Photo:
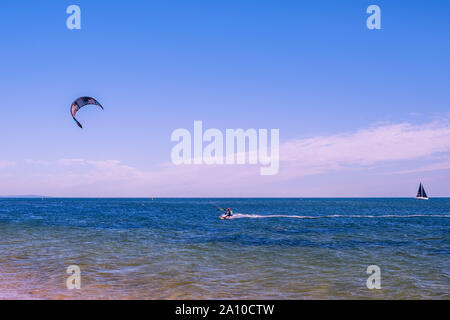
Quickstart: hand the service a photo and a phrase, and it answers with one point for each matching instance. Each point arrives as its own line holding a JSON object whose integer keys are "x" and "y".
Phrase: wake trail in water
{"x": 257, "y": 216}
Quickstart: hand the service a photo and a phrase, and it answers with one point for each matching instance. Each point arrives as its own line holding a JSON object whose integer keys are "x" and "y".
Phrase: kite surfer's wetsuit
{"x": 229, "y": 213}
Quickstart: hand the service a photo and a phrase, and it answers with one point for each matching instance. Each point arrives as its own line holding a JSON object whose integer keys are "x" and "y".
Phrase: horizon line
{"x": 199, "y": 197}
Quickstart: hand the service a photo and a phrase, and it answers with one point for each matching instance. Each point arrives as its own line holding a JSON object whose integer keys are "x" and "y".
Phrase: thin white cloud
{"x": 367, "y": 147}
{"x": 6, "y": 164}
{"x": 70, "y": 162}
{"x": 37, "y": 162}
{"x": 445, "y": 165}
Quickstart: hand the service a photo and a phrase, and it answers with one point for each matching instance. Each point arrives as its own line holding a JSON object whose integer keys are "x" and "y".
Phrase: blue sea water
{"x": 180, "y": 249}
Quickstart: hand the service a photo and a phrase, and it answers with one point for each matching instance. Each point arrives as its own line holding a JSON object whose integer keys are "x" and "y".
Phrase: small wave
{"x": 257, "y": 216}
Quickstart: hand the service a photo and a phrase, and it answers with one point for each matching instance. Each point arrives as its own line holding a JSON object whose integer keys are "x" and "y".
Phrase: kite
{"x": 80, "y": 103}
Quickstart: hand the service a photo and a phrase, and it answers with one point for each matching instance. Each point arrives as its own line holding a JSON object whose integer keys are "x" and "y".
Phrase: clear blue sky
{"x": 310, "y": 68}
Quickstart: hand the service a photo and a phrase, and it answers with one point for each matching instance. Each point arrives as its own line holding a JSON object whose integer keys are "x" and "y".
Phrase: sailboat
{"x": 421, "y": 194}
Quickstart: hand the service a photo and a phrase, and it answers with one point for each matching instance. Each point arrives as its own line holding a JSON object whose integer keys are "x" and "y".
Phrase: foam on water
{"x": 257, "y": 216}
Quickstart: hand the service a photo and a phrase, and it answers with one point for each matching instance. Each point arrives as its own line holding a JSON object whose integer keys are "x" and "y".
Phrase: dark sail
{"x": 421, "y": 192}
{"x": 424, "y": 194}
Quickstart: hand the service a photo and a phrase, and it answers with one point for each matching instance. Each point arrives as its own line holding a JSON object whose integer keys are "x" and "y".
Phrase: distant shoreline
{"x": 24, "y": 197}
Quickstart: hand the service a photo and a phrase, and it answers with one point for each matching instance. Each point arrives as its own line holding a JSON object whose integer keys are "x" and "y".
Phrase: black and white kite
{"x": 80, "y": 103}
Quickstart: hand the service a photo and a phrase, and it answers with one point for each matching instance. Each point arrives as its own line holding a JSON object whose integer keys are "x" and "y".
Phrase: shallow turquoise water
{"x": 178, "y": 248}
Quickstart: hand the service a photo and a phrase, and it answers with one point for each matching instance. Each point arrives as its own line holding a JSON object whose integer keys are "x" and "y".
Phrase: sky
{"x": 361, "y": 113}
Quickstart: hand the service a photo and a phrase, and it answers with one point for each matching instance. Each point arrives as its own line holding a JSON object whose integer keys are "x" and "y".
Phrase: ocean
{"x": 180, "y": 249}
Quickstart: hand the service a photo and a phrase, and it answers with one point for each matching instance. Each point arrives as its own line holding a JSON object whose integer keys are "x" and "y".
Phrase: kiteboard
{"x": 225, "y": 217}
